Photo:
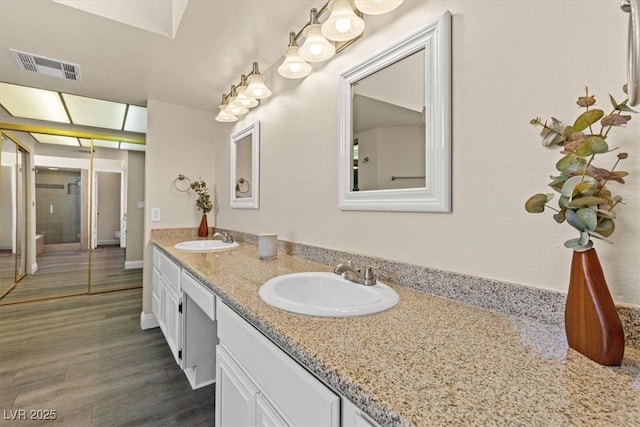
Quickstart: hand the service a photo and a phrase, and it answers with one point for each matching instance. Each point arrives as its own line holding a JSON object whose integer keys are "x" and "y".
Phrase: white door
{"x": 235, "y": 393}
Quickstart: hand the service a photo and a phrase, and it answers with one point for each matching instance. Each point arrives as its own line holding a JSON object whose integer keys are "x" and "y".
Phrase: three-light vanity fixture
{"x": 321, "y": 41}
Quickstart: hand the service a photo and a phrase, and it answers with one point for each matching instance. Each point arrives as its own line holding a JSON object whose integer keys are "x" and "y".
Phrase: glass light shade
{"x": 225, "y": 117}
{"x": 256, "y": 88}
{"x": 316, "y": 47}
{"x": 235, "y": 110}
{"x": 377, "y": 7}
{"x": 243, "y": 100}
{"x": 343, "y": 24}
{"x": 293, "y": 67}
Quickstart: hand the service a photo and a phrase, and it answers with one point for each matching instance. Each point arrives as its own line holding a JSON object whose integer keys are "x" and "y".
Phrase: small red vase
{"x": 592, "y": 323}
{"x": 203, "y": 230}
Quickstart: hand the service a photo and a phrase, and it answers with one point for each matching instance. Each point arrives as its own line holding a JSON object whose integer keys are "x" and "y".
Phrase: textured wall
{"x": 512, "y": 61}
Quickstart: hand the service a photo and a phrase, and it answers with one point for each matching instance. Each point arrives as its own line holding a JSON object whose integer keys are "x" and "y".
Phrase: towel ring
{"x": 243, "y": 186}
{"x": 632, "y": 7}
{"x": 181, "y": 188}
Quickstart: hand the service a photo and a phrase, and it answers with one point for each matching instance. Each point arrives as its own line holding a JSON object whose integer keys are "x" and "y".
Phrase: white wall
{"x": 135, "y": 215}
{"x": 180, "y": 140}
{"x": 512, "y": 61}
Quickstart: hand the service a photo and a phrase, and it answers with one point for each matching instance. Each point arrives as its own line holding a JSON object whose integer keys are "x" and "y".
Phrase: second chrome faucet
{"x": 346, "y": 270}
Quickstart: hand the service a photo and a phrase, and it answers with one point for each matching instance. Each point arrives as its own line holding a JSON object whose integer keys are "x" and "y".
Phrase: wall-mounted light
{"x": 223, "y": 116}
{"x": 293, "y": 66}
{"x": 376, "y": 7}
{"x": 316, "y": 47}
{"x": 243, "y": 96}
{"x": 343, "y": 25}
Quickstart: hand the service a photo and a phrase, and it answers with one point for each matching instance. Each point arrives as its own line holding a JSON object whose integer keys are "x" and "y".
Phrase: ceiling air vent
{"x": 46, "y": 66}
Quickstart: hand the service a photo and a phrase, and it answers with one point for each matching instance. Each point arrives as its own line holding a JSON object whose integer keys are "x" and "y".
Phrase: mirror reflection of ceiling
{"x": 39, "y": 104}
{"x": 369, "y": 113}
{"x": 401, "y": 83}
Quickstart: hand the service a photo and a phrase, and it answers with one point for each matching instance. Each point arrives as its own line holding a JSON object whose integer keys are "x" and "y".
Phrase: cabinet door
{"x": 156, "y": 305}
{"x": 235, "y": 393}
{"x": 267, "y": 415}
{"x": 171, "y": 312}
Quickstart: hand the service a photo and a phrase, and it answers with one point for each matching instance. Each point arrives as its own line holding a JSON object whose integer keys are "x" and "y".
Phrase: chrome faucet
{"x": 226, "y": 237}
{"x": 346, "y": 270}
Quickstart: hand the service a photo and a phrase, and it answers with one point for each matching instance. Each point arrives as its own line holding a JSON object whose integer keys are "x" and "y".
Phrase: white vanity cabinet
{"x": 200, "y": 335}
{"x": 260, "y": 385}
{"x": 185, "y": 311}
{"x": 167, "y": 301}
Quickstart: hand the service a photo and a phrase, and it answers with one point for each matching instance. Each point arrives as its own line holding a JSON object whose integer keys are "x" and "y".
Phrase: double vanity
{"x": 423, "y": 361}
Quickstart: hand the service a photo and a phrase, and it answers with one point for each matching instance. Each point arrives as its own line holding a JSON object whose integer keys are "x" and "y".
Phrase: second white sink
{"x": 327, "y": 295}
{"x": 205, "y": 246}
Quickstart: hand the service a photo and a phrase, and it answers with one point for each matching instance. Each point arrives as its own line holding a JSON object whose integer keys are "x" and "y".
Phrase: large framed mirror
{"x": 245, "y": 167}
{"x": 395, "y": 126}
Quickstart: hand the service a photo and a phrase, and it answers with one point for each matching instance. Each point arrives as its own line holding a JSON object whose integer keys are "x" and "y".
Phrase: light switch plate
{"x": 140, "y": 204}
{"x": 155, "y": 214}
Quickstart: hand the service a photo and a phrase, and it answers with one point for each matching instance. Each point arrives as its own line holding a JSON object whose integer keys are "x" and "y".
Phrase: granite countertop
{"x": 429, "y": 361}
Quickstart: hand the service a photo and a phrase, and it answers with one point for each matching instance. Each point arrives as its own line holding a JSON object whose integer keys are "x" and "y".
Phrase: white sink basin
{"x": 327, "y": 295}
{"x": 205, "y": 246}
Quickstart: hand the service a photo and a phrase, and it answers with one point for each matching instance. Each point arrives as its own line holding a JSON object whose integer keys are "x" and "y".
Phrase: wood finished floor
{"x": 87, "y": 358}
{"x": 66, "y": 273}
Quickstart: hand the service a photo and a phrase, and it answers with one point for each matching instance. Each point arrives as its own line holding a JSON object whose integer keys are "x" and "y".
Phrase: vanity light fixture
{"x": 316, "y": 48}
{"x": 343, "y": 26}
{"x": 293, "y": 66}
{"x": 232, "y": 107}
{"x": 256, "y": 88}
{"x": 243, "y": 100}
{"x": 223, "y": 116}
{"x": 377, "y": 7}
{"x": 243, "y": 96}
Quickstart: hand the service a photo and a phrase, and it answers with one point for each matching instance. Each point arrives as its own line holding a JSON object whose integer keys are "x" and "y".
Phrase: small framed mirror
{"x": 395, "y": 126}
{"x": 245, "y": 167}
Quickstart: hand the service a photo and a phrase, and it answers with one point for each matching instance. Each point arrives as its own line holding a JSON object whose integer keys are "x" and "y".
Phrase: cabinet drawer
{"x": 297, "y": 394}
{"x": 171, "y": 271}
{"x": 199, "y": 294}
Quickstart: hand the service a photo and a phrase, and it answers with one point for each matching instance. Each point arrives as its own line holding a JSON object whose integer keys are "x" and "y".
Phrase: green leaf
{"x": 614, "y": 103}
{"x": 588, "y": 218}
{"x": 606, "y": 214}
{"x": 586, "y": 119}
{"x": 570, "y": 164}
{"x": 564, "y": 202}
{"x": 570, "y": 214}
{"x": 570, "y": 185}
{"x": 559, "y": 217}
{"x": 586, "y": 188}
{"x": 592, "y": 145}
{"x": 557, "y": 182}
{"x": 587, "y": 201}
{"x": 584, "y": 238}
{"x": 576, "y": 246}
{"x": 606, "y": 227}
{"x": 536, "y": 203}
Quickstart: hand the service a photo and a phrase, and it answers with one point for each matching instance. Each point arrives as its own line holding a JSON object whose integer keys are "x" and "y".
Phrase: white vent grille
{"x": 46, "y": 66}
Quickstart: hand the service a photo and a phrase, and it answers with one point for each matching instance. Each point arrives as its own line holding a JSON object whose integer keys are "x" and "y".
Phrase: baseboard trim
{"x": 148, "y": 321}
{"x": 133, "y": 264}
